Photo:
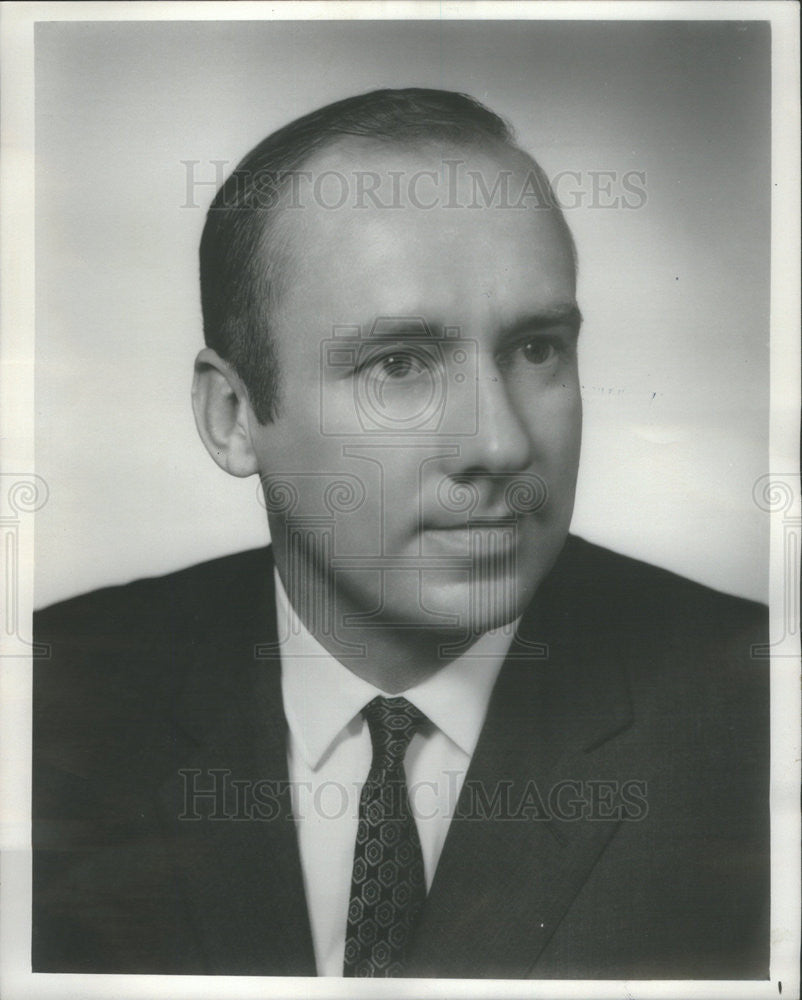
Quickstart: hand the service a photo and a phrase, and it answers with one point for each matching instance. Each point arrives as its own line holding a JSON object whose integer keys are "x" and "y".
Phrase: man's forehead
{"x": 379, "y": 228}
{"x": 365, "y": 189}
{"x": 354, "y": 163}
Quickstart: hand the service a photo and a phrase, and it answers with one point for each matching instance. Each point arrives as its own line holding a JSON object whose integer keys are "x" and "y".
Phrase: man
{"x": 427, "y": 733}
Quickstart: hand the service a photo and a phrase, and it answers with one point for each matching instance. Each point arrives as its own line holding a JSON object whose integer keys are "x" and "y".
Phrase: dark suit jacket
{"x": 616, "y": 823}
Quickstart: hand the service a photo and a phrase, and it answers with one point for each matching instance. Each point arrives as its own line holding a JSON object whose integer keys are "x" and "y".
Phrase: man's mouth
{"x": 485, "y": 537}
{"x": 500, "y": 518}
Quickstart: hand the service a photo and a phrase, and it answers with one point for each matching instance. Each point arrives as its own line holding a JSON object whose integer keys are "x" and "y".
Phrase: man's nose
{"x": 502, "y": 442}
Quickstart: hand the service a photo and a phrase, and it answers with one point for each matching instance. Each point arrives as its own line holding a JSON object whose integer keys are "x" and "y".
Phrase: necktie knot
{"x": 392, "y": 723}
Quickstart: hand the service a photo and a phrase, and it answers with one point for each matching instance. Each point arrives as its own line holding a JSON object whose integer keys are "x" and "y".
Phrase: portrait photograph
{"x": 401, "y": 505}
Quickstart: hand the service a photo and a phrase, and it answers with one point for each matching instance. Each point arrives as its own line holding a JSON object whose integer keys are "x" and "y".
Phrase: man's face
{"x": 421, "y": 471}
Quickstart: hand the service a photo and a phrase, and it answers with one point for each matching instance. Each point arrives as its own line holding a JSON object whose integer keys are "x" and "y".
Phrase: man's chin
{"x": 478, "y": 605}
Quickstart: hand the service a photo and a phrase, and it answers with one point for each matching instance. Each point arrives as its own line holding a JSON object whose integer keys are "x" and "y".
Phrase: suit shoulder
{"x": 183, "y": 599}
{"x": 116, "y": 659}
{"x": 691, "y": 651}
{"x": 656, "y": 609}
{"x": 623, "y": 581}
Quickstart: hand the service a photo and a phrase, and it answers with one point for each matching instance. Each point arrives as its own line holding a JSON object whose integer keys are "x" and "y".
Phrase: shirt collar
{"x": 323, "y": 699}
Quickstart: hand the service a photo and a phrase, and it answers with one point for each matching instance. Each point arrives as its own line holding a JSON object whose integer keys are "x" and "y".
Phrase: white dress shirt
{"x": 329, "y": 754}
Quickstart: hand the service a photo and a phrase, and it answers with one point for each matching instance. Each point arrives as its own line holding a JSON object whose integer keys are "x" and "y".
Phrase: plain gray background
{"x": 674, "y": 351}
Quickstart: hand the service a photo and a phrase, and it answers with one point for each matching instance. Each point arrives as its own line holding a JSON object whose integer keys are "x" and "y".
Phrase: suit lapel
{"x": 238, "y": 867}
{"x": 510, "y": 869}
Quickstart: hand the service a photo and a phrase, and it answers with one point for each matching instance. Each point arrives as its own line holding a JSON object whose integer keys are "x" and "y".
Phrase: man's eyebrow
{"x": 563, "y": 315}
{"x": 402, "y": 327}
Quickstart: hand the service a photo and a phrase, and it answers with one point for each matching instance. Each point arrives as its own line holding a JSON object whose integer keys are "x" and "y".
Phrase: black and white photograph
{"x": 401, "y": 507}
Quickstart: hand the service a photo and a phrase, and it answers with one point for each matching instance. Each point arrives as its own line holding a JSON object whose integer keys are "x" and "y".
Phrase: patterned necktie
{"x": 387, "y": 886}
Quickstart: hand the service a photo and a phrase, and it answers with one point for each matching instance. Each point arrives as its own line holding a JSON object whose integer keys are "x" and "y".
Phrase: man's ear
{"x": 220, "y": 404}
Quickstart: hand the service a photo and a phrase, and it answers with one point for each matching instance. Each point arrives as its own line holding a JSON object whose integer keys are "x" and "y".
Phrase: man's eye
{"x": 398, "y": 365}
{"x": 538, "y": 351}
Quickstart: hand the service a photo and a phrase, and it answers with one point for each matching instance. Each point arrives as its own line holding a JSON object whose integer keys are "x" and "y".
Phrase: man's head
{"x": 389, "y": 304}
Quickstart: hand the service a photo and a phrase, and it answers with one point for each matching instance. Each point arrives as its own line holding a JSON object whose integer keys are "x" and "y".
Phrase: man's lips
{"x": 494, "y": 536}
{"x": 494, "y": 519}
{"x": 476, "y": 522}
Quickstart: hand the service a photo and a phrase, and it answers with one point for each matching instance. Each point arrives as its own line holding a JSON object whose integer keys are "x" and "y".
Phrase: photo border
{"x": 781, "y": 495}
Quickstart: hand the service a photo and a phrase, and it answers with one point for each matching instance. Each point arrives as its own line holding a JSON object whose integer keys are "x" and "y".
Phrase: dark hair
{"x": 240, "y": 267}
